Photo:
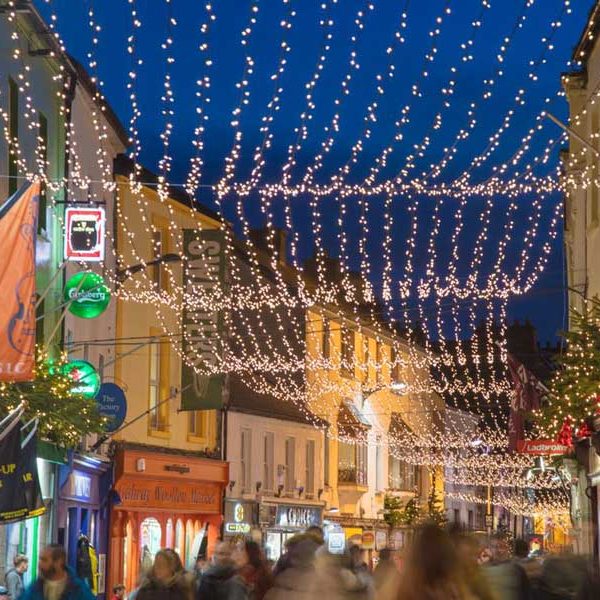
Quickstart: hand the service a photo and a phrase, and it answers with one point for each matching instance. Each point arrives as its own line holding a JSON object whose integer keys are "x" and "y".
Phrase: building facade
{"x": 169, "y": 476}
{"x": 362, "y": 394}
{"x": 582, "y": 246}
{"x": 276, "y": 469}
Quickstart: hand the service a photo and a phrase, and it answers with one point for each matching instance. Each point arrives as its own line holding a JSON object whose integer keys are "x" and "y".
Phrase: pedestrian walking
{"x": 57, "y": 581}
{"x": 505, "y": 575}
{"x": 296, "y": 580}
{"x": 118, "y": 592}
{"x": 165, "y": 580}
{"x": 14, "y": 577}
{"x": 432, "y": 570}
{"x": 386, "y": 572}
{"x": 221, "y": 580}
{"x": 255, "y": 572}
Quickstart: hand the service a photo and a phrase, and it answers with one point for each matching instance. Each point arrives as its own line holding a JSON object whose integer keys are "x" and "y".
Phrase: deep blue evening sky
{"x": 545, "y": 304}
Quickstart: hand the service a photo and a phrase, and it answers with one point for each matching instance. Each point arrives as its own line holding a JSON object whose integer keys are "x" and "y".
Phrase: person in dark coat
{"x": 221, "y": 580}
{"x": 255, "y": 572}
{"x": 14, "y": 577}
{"x": 165, "y": 580}
{"x": 57, "y": 581}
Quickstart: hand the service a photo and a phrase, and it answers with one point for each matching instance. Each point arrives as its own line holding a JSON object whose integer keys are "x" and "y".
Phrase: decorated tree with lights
{"x": 575, "y": 387}
{"x": 436, "y": 512}
{"x": 399, "y": 514}
{"x": 64, "y": 417}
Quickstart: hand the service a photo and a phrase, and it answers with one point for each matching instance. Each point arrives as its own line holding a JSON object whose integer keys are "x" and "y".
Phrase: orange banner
{"x": 18, "y": 218}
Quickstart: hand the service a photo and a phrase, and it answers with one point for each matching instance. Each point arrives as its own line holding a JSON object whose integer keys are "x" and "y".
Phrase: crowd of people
{"x": 438, "y": 565}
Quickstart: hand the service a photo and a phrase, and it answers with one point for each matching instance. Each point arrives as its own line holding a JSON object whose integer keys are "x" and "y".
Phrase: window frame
{"x": 246, "y": 460}
{"x": 290, "y": 465}
{"x": 310, "y": 464}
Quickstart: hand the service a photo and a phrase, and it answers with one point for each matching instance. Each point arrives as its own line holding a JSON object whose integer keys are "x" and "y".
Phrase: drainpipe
{"x": 69, "y": 96}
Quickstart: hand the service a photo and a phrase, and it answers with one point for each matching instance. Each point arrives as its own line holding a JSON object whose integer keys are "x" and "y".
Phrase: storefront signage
{"x": 204, "y": 272}
{"x": 298, "y": 516}
{"x": 161, "y": 494}
{"x": 542, "y": 447}
{"x": 368, "y": 540}
{"x": 86, "y": 380}
{"x": 336, "y": 542}
{"x": 84, "y": 233}
{"x": 237, "y": 528}
{"x": 239, "y": 517}
{"x": 87, "y": 294}
{"x": 112, "y": 404}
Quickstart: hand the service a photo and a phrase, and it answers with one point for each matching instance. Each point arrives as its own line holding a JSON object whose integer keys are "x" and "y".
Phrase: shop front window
{"x": 169, "y": 534}
{"x": 352, "y": 463}
{"x": 402, "y": 475}
{"x": 150, "y": 542}
{"x": 179, "y": 537}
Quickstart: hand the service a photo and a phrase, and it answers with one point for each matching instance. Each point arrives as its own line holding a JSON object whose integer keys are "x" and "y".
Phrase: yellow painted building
{"x": 168, "y": 473}
{"x": 151, "y": 372}
{"x": 357, "y": 385}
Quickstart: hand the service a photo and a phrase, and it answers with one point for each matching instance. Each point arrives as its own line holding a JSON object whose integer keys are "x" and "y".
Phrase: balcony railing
{"x": 352, "y": 475}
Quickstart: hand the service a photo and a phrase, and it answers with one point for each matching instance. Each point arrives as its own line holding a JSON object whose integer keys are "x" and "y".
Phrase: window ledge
{"x": 194, "y": 439}
{"x": 165, "y": 435}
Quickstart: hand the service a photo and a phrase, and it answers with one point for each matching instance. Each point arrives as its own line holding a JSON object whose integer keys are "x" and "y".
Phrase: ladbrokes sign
{"x": 542, "y": 447}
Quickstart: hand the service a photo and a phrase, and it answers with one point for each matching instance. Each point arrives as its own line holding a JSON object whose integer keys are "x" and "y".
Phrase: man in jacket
{"x": 14, "y": 577}
{"x": 57, "y": 581}
{"x": 221, "y": 581}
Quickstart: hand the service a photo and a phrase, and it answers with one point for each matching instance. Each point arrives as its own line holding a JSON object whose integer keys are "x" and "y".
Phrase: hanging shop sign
{"x": 87, "y": 294}
{"x": 298, "y": 516}
{"x": 112, "y": 404}
{"x": 84, "y": 233}
{"x": 17, "y": 281}
{"x": 86, "y": 380}
{"x": 204, "y": 272}
{"x": 542, "y": 447}
{"x": 239, "y": 517}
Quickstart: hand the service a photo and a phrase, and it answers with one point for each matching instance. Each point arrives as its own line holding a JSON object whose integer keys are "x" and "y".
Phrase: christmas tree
{"x": 575, "y": 387}
{"x": 436, "y": 512}
{"x": 399, "y": 514}
{"x": 64, "y": 417}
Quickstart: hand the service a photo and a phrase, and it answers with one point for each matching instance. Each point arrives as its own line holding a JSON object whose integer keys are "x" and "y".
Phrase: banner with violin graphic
{"x": 18, "y": 219}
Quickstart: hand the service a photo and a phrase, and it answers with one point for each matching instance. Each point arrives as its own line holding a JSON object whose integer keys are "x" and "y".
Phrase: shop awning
{"x": 399, "y": 429}
{"x": 51, "y": 453}
{"x": 351, "y": 421}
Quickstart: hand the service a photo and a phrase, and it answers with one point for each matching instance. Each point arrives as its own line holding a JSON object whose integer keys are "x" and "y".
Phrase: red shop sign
{"x": 542, "y": 447}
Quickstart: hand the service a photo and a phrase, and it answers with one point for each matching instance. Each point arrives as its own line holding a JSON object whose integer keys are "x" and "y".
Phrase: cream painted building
{"x": 363, "y": 397}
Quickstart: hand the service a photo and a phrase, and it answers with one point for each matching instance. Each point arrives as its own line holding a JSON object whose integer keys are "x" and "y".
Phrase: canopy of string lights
{"x": 415, "y": 185}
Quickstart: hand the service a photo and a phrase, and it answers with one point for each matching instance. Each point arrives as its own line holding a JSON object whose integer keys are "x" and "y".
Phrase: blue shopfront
{"x": 82, "y": 519}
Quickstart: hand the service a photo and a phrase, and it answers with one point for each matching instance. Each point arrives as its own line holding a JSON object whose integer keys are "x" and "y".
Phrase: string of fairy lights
{"x": 277, "y": 317}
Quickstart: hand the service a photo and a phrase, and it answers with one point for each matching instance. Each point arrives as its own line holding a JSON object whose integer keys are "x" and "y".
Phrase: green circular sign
{"x": 86, "y": 380}
{"x": 88, "y": 294}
